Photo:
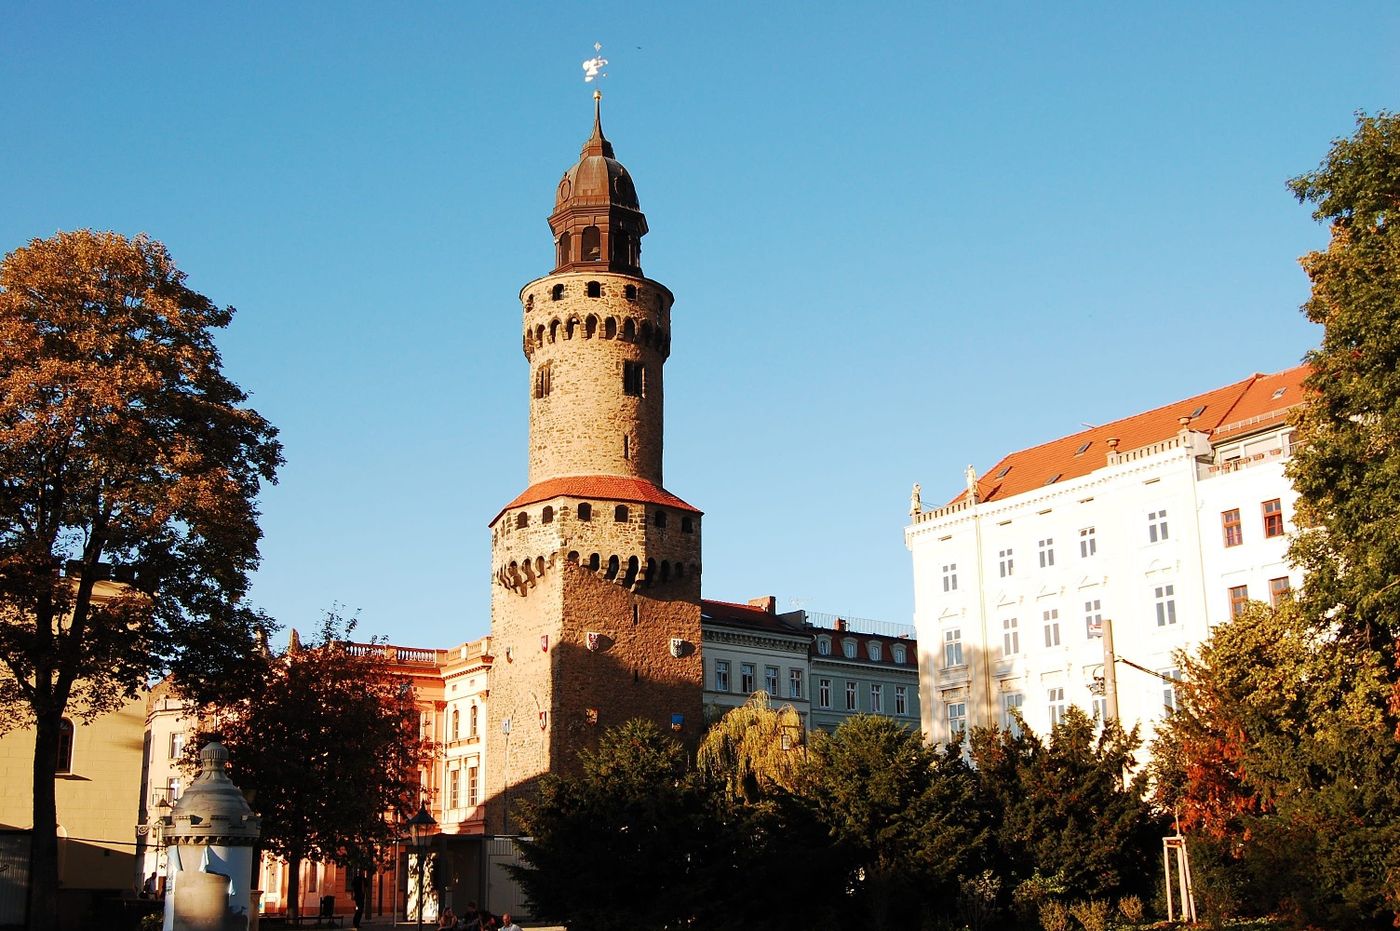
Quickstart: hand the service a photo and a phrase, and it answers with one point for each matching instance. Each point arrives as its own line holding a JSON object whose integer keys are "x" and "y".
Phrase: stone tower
{"x": 595, "y": 607}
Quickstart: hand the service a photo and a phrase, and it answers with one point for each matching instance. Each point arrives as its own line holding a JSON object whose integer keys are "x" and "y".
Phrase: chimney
{"x": 769, "y": 604}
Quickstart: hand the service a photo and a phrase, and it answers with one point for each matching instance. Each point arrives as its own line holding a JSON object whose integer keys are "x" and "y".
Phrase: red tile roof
{"x": 1234, "y": 410}
{"x": 729, "y": 612}
{"x": 606, "y": 487}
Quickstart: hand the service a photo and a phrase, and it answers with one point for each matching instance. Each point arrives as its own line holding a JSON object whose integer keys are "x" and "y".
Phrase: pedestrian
{"x": 357, "y": 893}
{"x": 447, "y": 921}
{"x": 149, "y": 890}
{"x": 508, "y": 924}
{"x": 471, "y": 918}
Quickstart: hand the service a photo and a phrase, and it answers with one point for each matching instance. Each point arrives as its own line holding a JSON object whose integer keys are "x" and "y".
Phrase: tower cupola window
{"x": 563, "y": 248}
{"x": 592, "y": 244}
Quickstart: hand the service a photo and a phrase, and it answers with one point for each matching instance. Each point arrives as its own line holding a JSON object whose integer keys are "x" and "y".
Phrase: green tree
{"x": 755, "y": 749}
{"x": 328, "y": 749}
{"x": 1282, "y": 742}
{"x": 121, "y": 442}
{"x": 1347, "y": 465}
{"x": 1067, "y": 823}
{"x": 634, "y": 841}
{"x": 902, "y": 816}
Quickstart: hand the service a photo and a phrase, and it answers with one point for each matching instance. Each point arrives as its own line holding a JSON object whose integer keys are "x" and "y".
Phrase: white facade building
{"x": 1164, "y": 522}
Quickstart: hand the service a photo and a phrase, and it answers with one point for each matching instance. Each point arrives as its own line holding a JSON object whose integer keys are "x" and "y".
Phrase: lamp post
{"x": 420, "y": 826}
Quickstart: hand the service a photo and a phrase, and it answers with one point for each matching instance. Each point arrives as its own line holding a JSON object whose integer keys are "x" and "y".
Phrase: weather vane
{"x": 593, "y": 67}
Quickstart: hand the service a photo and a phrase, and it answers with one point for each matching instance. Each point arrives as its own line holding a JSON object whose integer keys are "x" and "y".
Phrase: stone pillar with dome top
{"x": 211, "y": 834}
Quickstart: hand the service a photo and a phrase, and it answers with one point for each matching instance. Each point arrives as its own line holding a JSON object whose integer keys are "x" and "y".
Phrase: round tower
{"x": 595, "y": 610}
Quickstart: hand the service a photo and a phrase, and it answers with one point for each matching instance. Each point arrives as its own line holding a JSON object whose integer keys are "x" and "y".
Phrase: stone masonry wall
{"x": 578, "y": 427}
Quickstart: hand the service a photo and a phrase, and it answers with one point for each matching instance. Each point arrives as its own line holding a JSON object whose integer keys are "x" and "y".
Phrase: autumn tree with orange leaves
{"x": 129, "y": 471}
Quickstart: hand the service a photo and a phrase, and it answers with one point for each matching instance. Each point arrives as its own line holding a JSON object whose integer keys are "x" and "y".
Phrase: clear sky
{"x": 902, "y": 237}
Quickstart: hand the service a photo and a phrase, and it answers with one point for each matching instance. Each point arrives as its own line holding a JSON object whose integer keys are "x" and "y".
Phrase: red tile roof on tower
{"x": 1247, "y": 406}
{"x": 595, "y": 487}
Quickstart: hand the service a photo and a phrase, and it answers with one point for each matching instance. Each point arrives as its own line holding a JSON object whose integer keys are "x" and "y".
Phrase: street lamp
{"x": 420, "y": 827}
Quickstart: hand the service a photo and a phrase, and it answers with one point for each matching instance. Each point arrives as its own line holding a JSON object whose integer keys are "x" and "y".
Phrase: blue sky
{"x": 902, "y": 238}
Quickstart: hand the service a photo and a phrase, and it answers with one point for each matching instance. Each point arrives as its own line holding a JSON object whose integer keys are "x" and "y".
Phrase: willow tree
{"x": 755, "y": 748}
{"x": 125, "y": 454}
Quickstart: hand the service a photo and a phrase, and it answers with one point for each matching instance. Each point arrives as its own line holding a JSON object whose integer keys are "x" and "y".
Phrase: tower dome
{"x": 597, "y": 222}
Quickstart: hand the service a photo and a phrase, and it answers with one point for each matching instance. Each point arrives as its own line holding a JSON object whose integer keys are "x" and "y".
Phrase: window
{"x": 474, "y": 718}
{"x": 1011, "y": 702}
{"x": 1169, "y": 690}
{"x": 770, "y": 680}
{"x": 824, "y": 693}
{"x": 173, "y": 785}
{"x": 1165, "y": 597}
{"x": 898, "y": 653}
{"x": 547, "y": 515}
{"x": 595, "y": 289}
{"x": 1239, "y": 599}
{"x": 522, "y": 520}
{"x": 876, "y": 652}
{"x": 630, "y": 292}
{"x": 177, "y": 744}
{"x": 721, "y": 675}
{"x": 1006, "y": 562}
{"x": 901, "y": 699}
{"x": 1047, "y": 553}
{"x": 952, "y": 648}
{"x": 620, "y": 514}
{"x": 794, "y": 683}
{"x": 1010, "y": 637}
{"x": 1099, "y": 707}
{"x": 1230, "y": 527}
{"x": 1279, "y": 589}
{"x": 1273, "y": 518}
{"x": 1088, "y": 542}
{"x": 592, "y": 244}
{"x": 957, "y": 718}
{"x": 950, "y": 577}
{"x": 1157, "y": 526}
{"x": 585, "y": 511}
{"x": 877, "y": 698}
{"x": 453, "y": 786}
{"x": 687, "y": 525}
{"x": 850, "y": 696}
{"x": 824, "y": 646}
{"x": 1093, "y": 619}
{"x": 1052, "y": 626}
{"x": 659, "y": 518}
{"x": 556, "y": 293}
{"x": 456, "y": 730}
{"x": 473, "y": 786}
{"x": 65, "y": 748}
{"x": 542, "y": 381}
{"x": 634, "y": 379}
{"x": 848, "y": 649}
{"x": 746, "y": 678}
{"x": 1056, "y": 697}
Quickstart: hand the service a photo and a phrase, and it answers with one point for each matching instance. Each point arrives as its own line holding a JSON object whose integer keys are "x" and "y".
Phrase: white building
{"x": 1164, "y": 522}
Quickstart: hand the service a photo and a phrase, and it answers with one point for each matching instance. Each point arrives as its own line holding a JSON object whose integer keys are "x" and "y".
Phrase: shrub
{"x": 1092, "y": 915}
{"x": 1131, "y": 909}
{"x": 1054, "y": 916}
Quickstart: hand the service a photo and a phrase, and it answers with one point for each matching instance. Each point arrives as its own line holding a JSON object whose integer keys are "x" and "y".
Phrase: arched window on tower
{"x": 590, "y": 327}
{"x": 591, "y": 244}
{"x": 595, "y": 289}
{"x": 630, "y": 292}
{"x": 547, "y": 515}
{"x": 65, "y": 746}
{"x": 620, "y": 514}
{"x": 556, "y": 293}
{"x": 542, "y": 380}
{"x": 563, "y": 249}
{"x": 585, "y": 512}
{"x": 629, "y": 330}
{"x": 659, "y": 518}
{"x": 522, "y": 520}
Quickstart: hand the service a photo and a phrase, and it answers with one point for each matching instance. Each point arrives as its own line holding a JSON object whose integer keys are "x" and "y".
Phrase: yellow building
{"x": 98, "y": 784}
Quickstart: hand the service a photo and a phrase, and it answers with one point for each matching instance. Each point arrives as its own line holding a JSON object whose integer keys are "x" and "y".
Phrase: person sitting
{"x": 447, "y": 921}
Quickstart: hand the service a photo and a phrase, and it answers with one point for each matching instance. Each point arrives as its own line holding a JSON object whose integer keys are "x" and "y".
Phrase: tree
{"x": 1347, "y": 465}
{"x": 1282, "y": 742}
{"x": 328, "y": 749}
{"x": 902, "y": 815}
{"x": 1067, "y": 823}
{"x": 634, "y": 841}
{"x": 755, "y": 749}
{"x": 121, "y": 443}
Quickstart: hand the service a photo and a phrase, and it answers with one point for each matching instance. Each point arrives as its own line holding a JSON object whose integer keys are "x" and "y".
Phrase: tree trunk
{"x": 43, "y": 864}
{"x": 294, "y": 886}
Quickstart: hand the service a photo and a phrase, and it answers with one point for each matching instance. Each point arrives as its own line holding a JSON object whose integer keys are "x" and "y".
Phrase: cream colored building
{"x": 1163, "y": 522}
{"x": 98, "y": 783}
